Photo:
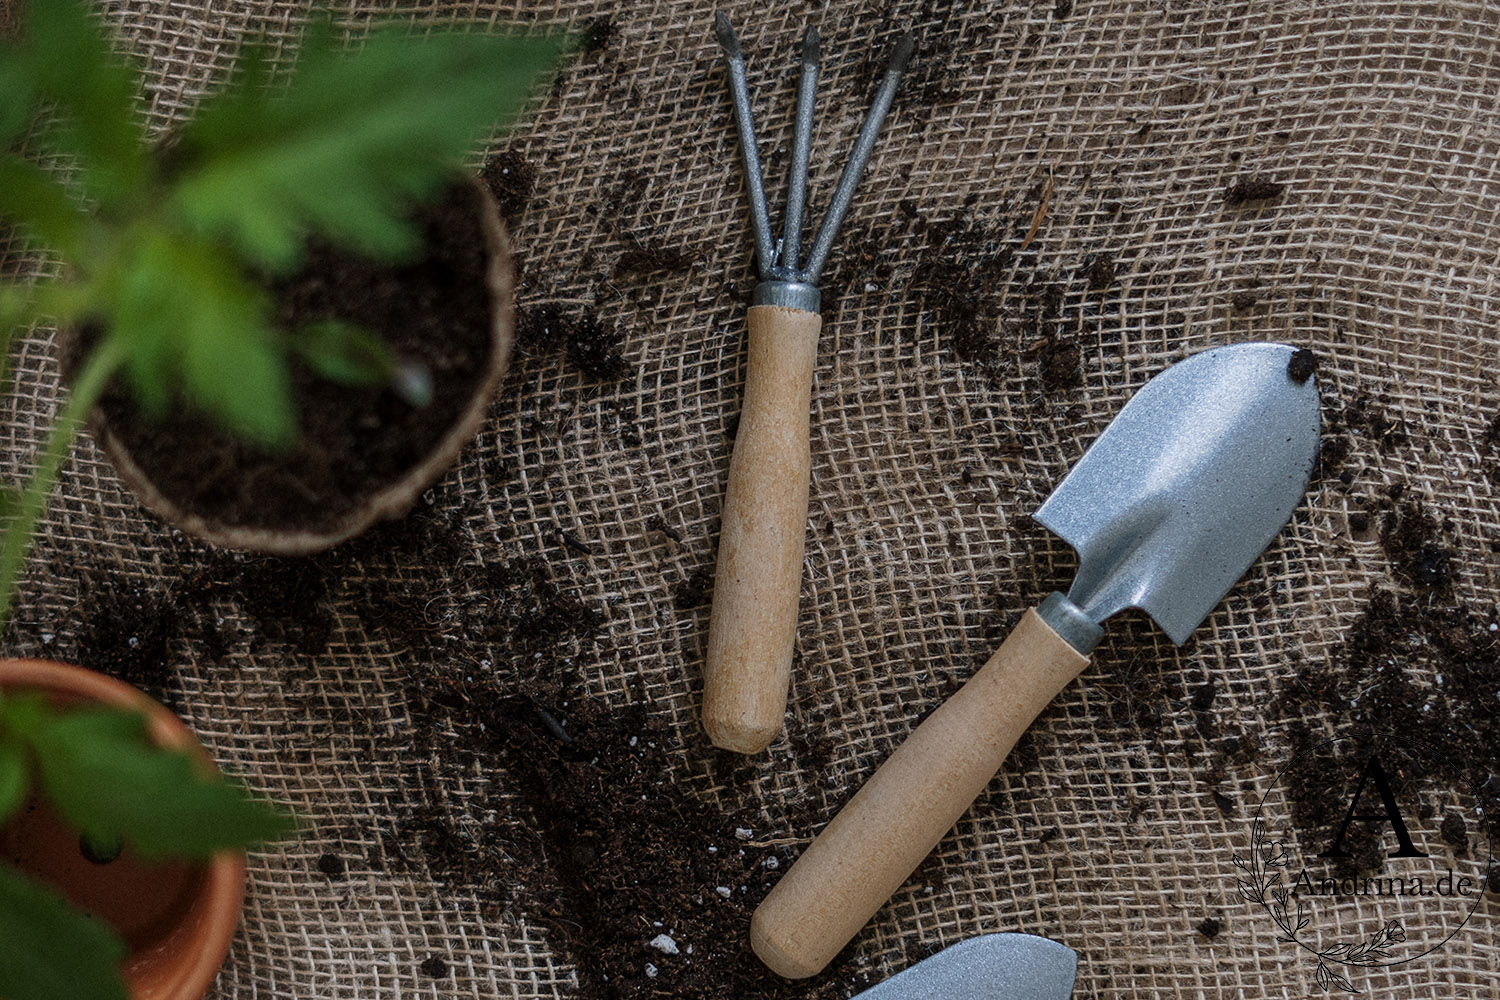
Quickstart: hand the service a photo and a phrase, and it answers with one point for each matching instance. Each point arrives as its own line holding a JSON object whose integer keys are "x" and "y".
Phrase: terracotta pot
{"x": 177, "y": 919}
{"x": 397, "y": 496}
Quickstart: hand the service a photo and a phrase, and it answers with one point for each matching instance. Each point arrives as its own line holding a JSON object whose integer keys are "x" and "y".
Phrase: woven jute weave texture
{"x": 959, "y": 375}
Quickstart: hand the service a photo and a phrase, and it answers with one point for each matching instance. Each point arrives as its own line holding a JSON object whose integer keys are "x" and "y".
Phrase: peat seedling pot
{"x": 177, "y": 919}
{"x": 365, "y": 454}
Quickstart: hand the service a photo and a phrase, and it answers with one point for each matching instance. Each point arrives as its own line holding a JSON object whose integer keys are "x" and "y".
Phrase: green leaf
{"x": 13, "y": 781}
{"x": 93, "y": 88}
{"x": 193, "y": 324}
{"x": 345, "y": 353}
{"x": 351, "y": 139}
{"x": 19, "y": 106}
{"x": 97, "y": 767}
{"x": 49, "y": 950}
{"x": 36, "y": 200}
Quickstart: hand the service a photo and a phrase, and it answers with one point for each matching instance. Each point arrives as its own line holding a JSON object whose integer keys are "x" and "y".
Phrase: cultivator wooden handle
{"x": 754, "y": 622}
{"x": 877, "y": 840}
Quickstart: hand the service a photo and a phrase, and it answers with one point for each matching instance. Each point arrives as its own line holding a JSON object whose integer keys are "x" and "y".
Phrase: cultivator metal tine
{"x": 739, "y": 92}
{"x": 796, "y": 199}
{"x": 785, "y": 280}
{"x": 843, "y": 195}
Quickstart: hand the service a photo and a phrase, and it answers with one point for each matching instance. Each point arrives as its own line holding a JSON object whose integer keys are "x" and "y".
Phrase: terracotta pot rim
{"x": 224, "y": 874}
{"x": 392, "y": 500}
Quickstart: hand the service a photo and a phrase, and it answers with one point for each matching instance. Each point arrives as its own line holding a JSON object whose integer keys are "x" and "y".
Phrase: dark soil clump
{"x": 1210, "y": 928}
{"x": 512, "y": 182}
{"x": 1252, "y": 189}
{"x": 433, "y": 313}
{"x": 1301, "y": 366}
{"x": 597, "y": 35}
{"x": 1061, "y": 364}
{"x": 332, "y": 866}
{"x": 1099, "y": 271}
{"x": 695, "y": 590}
{"x": 1413, "y": 542}
{"x": 1370, "y": 416}
{"x": 1454, "y": 831}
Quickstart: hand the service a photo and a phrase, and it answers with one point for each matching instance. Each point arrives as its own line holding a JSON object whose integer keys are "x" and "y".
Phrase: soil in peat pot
{"x": 434, "y": 312}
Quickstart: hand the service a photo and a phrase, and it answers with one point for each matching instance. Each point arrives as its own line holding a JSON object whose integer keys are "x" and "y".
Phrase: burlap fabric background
{"x": 958, "y": 378}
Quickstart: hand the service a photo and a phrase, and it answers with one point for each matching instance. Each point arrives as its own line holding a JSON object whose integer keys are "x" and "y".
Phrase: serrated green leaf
{"x": 344, "y": 353}
{"x": 239, "y": 377}
{"x": 93, "y": 90}
{"x": 194, "y": 326}
{"x": 97, "y": 767}
{"x": 351, "y": 139}
{"x": 35, "y": 199}
{"x": 13, "y": 779}
{"x": 49, "y": 950}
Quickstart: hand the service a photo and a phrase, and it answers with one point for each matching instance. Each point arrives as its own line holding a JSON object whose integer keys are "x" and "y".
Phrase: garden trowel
{"x": 1166, "y": 510}
{"x": 989, "y": 967}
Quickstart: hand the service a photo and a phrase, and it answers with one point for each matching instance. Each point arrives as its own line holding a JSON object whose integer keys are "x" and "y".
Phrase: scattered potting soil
{"x": 646, "y": 889}
{"x": 1370, "y": 684}
{"x": 642, "y": 257}
{"x": 596, "y": 348}
{"x": 1252, "y": 189}
{"x": 990, "y": 309}
{"x": 126, "y": 633}
{"x": 433, "y": 312}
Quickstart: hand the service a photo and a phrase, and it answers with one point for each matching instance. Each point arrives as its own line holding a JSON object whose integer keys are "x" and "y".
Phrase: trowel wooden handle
{"x": 759, "y": 575}
{"x": 896, "y": 819}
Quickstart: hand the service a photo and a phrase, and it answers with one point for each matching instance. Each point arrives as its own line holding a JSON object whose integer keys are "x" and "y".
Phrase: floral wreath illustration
{"x": 1263, "y": 886}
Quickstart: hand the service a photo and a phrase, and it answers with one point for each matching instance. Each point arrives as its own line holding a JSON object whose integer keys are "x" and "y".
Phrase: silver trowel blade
{"x": 1188, "y": 485}
{"x": 990, "y": 967}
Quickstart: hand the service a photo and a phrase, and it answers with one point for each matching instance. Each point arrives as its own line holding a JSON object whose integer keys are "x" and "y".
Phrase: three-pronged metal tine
{"x": 796, "y": 199}
{"x": 843, "y": 195}
{"x": 739, "y": 93}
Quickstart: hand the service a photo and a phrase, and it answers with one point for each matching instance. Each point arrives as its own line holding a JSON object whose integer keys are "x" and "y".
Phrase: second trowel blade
{"x": 989, "y": 967}
{"x": 1188, "y": 485}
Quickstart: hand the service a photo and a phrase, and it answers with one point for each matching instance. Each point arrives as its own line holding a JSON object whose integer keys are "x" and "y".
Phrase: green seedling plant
{"x": 157, "y": 255}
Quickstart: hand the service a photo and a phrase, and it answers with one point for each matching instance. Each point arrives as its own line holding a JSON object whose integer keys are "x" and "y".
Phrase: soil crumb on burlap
{"x": 433, "y": 312}
{"x": 512, "y": 182}
{"x": 1252, "y": 189}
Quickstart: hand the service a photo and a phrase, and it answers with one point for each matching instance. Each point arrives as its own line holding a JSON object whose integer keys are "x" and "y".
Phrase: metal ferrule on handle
{"x": 789, "y": 295}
